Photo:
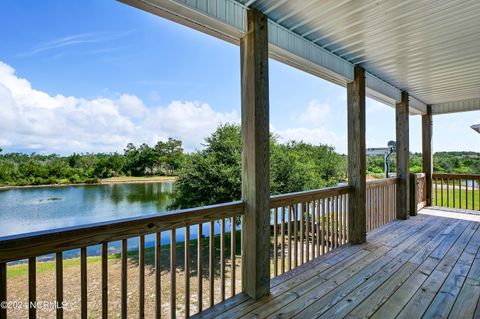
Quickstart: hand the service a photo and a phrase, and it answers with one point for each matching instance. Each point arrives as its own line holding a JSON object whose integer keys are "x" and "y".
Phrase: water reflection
{"x": 33, "y": 209}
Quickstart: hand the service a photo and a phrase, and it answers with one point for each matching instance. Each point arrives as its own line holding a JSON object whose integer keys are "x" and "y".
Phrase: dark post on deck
{"x": 427, "y": 153}
{"x": 357, "y": 231}
{"x": 255, "y": 173}
{"x": 403, "y": 157}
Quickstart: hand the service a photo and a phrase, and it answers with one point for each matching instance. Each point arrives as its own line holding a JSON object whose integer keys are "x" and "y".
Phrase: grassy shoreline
{"x": 106, "y": 181}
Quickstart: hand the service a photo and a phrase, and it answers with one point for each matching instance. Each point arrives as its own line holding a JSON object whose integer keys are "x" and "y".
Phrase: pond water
{"x": 25, "y": 210}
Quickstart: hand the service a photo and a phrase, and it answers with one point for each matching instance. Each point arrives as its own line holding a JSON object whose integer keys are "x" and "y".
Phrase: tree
{"x": 213, "y": 175}
{"x": 170, "y": 154}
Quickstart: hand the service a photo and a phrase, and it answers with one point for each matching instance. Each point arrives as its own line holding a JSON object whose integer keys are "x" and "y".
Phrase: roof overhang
{"x": 226, "y": 19}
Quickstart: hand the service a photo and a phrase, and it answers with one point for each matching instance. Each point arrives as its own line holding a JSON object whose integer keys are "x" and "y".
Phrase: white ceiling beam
{"x": 226, "y": 19}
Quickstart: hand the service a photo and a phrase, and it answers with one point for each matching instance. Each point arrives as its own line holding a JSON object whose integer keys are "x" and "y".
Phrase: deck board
{"x": 426, "y": 266}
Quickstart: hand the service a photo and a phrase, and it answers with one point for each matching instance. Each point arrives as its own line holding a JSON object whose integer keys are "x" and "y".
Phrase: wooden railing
{"x": 381, "y": 207}
{"x": 183, "y": 261}
{"x": 456, "y": 191}
{"x": 205, "y": 238}
{"x": 306, "y": 225}
{"x": 421, "y": 190}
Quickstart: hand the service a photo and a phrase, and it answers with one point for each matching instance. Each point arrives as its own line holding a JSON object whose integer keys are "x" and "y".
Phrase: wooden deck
{"x": 426, "y": 266}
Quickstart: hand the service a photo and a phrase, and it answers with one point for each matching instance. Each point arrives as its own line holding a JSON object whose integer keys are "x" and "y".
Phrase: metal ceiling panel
{"x": 429, "y": 48}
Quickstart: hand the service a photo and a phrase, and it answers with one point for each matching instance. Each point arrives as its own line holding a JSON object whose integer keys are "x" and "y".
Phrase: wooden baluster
{"x": 211, "y": 264}
{"x": 473, "y": 194}
{"x": 377, "y": 201}
{"x": 460, "y": 193}
{"x": 313, "y": 228}
{"x": 200, "y": 267}
{"x": 466, "y": 193}
{"x": 158, "y": 275}
{"x": 222, "y": 259}
{"x": 367, "y": 208}
{"x": 340, "y": 218}
{"x": 104, "y": 280}
{"x": 327, "y": 224}
{"x": 59, "y": 284}
{"x": 335, "y": 221}
{"x": 186, "y": 259}
{"x": 372, "y": 202}
{"x": 232, "y": 254}
{"x": 289, "y": 235}
{"x": 32, "y": 287}
{"x": 345, "y": 212}
{"x": 307, "y": 231}
{"x": 383, "y": 196}
{"x": 454, "y": 193}
{"x": 371, "y": 209}
{"x": 322, "y": 224}
{"x": 302, "y": 232}
{"x": 318, "y": 227}
{"x": 282, "y": 229}
{"x": 83, "y": 283}
{"x": 141, "y": 276}
{"x": 342, "y": 223}
{"x": 3, "y": 289}
{"x": 173, "y": 273}
{"x": 331, "y": 220}
{"x": 124, "y": 279}
{"x": 295, "y": 236}
{"x": 275, "y": 242}
{"x": 441, "y": 191}
{"x": 379, "y": 206}
{"x": 448, "y": 192}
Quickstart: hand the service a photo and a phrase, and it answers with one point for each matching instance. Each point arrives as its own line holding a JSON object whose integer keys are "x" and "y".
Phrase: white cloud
{"x": 313, "y": 127}
{"x": 316, "y": 114}
{"x": 33, "y": 120}
{"x": 314, "y": 136}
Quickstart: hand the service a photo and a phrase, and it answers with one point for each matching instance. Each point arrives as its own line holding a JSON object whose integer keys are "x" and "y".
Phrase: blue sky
{"x": 93, "y": 75}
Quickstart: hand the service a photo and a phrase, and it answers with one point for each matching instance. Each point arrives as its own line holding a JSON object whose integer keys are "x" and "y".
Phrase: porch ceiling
{"x": 431, "y": 49}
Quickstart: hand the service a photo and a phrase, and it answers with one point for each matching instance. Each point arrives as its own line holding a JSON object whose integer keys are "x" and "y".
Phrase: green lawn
{"x": 448, "y": 197}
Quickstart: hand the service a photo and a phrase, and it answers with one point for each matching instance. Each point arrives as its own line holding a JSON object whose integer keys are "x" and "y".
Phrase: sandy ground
{"x": 18, "y": 290}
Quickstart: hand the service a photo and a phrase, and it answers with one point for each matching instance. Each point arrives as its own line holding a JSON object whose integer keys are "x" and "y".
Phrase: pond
{"x": 24, "y": 210}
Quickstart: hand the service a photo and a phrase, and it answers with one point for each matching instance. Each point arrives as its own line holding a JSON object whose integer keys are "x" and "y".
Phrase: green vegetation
{"x": 22, "y": 269}
{"x": 447, "y": 200}
{"x": 213, "y": 175}
{"x": 17, "y": 169}
{"x": 443, "y": 162}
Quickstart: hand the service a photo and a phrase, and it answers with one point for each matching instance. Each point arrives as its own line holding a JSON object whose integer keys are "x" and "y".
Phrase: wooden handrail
{"x": 300, "y": 197}
{"x": 381, "y": 182}
{"x": 34, "y": 244}
{"x": 456, "y": 176}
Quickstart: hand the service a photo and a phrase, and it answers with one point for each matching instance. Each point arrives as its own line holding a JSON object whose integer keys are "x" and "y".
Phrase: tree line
{"x": 19, "y": 169}
{"x": 443, "y": 162}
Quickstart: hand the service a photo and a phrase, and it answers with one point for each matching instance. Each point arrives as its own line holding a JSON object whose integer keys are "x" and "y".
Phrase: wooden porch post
{"x": 255, "y": 172}
{"x": 357, "y": 232}
{"x": 403, "y": 157}
{"x": 427, "y": 160}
